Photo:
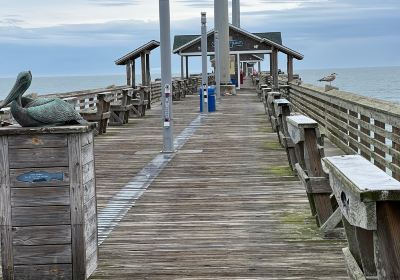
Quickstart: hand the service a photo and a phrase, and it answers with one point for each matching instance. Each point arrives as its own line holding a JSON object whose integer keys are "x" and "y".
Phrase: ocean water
{"x": 379, "y": 82}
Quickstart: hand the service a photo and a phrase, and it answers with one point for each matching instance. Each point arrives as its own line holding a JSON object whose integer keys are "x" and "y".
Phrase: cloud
{"x": 330, "y": 33}
{"x": 115, "y": 3}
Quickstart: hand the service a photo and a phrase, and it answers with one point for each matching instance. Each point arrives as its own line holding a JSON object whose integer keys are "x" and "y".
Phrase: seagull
{"x": 330, "y": 78}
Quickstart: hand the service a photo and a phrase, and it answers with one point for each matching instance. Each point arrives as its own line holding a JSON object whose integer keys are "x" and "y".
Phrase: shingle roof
{"x": 273, "y": 36}
{"x": 180, "y": 40}
{"x": 273, "y": 39}
{"x": 153, "y": 44}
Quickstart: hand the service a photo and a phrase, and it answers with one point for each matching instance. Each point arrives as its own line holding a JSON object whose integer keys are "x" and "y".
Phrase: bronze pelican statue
{"x": 30, "y": 112}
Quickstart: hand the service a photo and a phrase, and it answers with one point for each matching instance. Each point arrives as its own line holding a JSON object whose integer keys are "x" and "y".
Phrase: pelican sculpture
{"x": 30, "y": 112}
{"x": 330, "y": 78}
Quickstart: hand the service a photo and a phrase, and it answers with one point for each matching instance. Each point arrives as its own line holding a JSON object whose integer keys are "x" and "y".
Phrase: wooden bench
{"x": 177, "y": 94}
{"x": 93, "y": 108}
{"x": 139, "y": 101}
{"x": 308, "y": 143}
{"x": 369, "y": 200}
{"x": 120, "y": 106}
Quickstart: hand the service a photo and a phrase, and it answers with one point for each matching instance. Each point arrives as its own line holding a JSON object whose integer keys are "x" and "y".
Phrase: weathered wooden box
{"x": 48, "y": 203}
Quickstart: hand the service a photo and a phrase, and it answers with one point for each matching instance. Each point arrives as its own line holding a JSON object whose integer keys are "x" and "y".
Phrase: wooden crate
{"x": 48, "y": 214}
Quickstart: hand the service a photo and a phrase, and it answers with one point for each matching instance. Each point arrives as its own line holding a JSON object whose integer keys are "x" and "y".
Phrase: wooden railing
{"x": 356, "y": 124}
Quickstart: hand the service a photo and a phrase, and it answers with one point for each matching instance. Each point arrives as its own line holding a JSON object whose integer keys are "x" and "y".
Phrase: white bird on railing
{"x": 330, "y": 78}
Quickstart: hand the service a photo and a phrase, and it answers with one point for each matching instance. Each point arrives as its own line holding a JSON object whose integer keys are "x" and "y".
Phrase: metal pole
{"x": 217, "y": 65}
{"x": 204, "y": 61}
{"x": 166, "y": 77}
{"x": 236, "y": 13}
{"x": 221, "y": 17}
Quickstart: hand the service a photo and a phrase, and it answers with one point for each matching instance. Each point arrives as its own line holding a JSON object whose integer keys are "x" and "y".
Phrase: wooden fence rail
{"x": 356, "y": 124}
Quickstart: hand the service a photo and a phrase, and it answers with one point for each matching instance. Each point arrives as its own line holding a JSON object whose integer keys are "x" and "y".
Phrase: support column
{"x": 259, "y": 67}
{"x": 133, "y": 71}
{"x": 148, "y": 73}
{"x": 271, "y": 66}
{"x": 222, "y": 26}
{"x": 290, "y": 68}
{"x": 182, "y": 70}
{"x": 166, "y": 77}
{"x": 187, "y": 67}
{"x": 204, "y": 61}
{"x": 275, "y": 69}
{"x": 129, "y": 73}
{"x": 143, "y": 64}
{"x": 238, "y": 72}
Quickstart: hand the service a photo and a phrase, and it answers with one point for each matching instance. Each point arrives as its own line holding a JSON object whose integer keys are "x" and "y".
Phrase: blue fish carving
{"x": 40, "y": 176}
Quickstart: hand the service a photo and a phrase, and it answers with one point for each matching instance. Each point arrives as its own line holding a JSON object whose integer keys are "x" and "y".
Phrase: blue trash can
{"x": 234, "y": 82}
{"x": 211, "y": 99}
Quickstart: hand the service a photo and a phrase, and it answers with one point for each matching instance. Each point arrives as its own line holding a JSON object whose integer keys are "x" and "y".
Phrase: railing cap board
{"x": 301, "y": 121}
{"x": 296, "y": 126}
{"x": 363, "y": 178}
{"x": 358, "y": 185}
{"x": 281, "y": 102}
{"x": 18, "y": 130}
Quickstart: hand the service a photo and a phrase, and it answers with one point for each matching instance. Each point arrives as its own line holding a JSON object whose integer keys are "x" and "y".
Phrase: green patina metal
{"x": 29, "y": 112}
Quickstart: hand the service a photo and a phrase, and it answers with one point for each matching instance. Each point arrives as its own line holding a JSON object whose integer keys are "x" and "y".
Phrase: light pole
{"x": 204, "y": 61}
{"x": 166, "y": 78}
{"x": 217, "y": 65}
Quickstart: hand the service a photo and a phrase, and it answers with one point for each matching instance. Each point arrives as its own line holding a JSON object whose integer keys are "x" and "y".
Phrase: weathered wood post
{"x": 264, "y": 96}
{"x": 305, "y": 135}
{"x": 48, "y": 203}
{"x": 271, "y": 96}
{"x": 290, "y": 68}
{"x": 282, "y": 110}
{"x": 369, "y": 201}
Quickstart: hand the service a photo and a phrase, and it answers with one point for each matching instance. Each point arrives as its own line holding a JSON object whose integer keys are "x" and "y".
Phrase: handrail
{"x": 356, "y": 124}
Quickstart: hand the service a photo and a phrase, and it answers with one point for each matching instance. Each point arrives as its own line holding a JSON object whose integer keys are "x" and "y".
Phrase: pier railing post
{"x": 166, "y": 77}
{"x": 305, "y": 135}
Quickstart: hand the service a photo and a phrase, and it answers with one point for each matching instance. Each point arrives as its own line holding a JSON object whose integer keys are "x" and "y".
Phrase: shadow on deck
{"x": 226, "y": 206}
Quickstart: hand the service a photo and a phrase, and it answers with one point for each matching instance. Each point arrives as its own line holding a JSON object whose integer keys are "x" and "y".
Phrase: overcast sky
{"x": 57, "y": 37}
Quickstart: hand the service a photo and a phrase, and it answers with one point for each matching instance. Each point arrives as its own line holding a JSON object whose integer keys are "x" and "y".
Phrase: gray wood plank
{"x": 38, "y": 216}
{"x": 43, "y": 272}
{"x": 38, "y": 141}
{"x": 87, "y": 154}
{"x": 44, "y": 254}
{"x": 40, "y": 196}
{"x": 5, "y": 211}
{"x": 88, "y": 172}
{"x": 89, "y": 190}
{"x": 77, "y": 207}
{"x": 42, "y": 235}
{"x": 41, "y": 157}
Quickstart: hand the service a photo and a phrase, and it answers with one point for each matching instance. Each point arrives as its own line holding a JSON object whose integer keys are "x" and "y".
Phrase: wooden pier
{"x": 227, "y": 206}
{"x": 245, "y": 195}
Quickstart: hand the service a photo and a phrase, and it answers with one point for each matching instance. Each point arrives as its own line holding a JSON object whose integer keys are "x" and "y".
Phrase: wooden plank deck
{"x": 225, "y": 207}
